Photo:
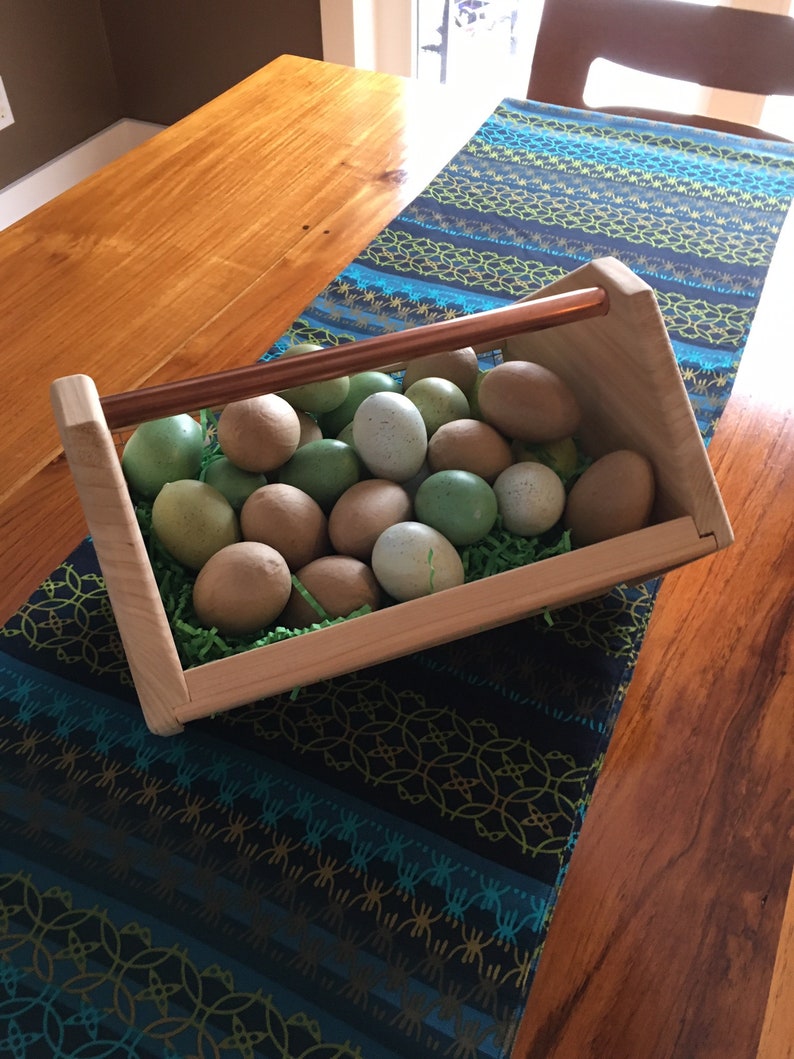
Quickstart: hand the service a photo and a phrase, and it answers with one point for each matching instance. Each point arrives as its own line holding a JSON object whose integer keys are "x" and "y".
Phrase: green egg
{"x": 235, "y": 483}
{"x": 561, "y": 455}
{"x": 315, "y": 397}
{"x": 193, "y": 521}
{"x": 160, "y": 451}
{"x": 362, "y": 385}
{"x": 323, "y": 469}
{"x": 439, "y": 401}
{"x": 459, "y": 504}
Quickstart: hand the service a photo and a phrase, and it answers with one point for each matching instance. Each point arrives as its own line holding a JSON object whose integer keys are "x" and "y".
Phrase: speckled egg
{"x": 459, "y": 504}
{"x": 160, "y": 451}
{"x": 362, "y": 385}
{"x": 192, "y": 521}
{"x": 439, "y": 401}
{"x": 390, "y": 436}
{"x": 531, "y": 498}
{"x": 411, "y": 560}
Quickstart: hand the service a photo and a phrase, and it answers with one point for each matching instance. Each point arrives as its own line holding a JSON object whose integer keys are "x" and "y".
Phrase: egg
{"x": 439, "y": 401}
{"x": 231, "y": 480}
{"x": 317, "y": 397}
{"x": 390, "y": 436}
{"x": 561, "y": 455}
{"x": 363, "y": 512}
{"x": 242, "y": 588}
{"x": 160, "y": 451}
{"x": 411, "y": 560}
{"x": 469, "y": 445}
{"x": 458, "y": 365}
{"x": 339, "y": 584}
{"x": 613, "y": 496}
{"x": 310, "y": 429}
{"x": 192, "y": 521}
{"x": 531, "y": 498}
{"x": 528, "y": 402}
{"x": 288, "y": 520}
{"x": 324, "y": 469}
{"x": 363, "y": 384}
{"x": 259, "y": 433}
{"x": 459, "y": 504}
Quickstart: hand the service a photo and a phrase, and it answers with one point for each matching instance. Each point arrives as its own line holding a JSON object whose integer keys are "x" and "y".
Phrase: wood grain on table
{"x": 193, "y": 253}
{"x": 189, "y": 254}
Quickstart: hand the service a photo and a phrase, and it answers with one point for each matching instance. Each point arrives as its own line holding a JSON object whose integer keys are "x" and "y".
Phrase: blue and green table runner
{"x": 367, "y": 867}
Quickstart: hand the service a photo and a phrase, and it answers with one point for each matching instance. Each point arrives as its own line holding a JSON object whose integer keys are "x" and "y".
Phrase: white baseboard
{"x": 49, "y": 180}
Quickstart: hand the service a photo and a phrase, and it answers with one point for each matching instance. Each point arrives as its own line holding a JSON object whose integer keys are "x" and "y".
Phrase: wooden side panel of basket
{"x": 121, "y": 551}
{"x": 633, "y": 396}
{"x": 623, "y": 370}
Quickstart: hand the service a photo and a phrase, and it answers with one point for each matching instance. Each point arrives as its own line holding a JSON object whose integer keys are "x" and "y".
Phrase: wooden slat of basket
{"x": 431, "y": 620}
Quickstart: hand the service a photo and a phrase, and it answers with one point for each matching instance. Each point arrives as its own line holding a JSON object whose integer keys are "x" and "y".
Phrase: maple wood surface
{"x": 192, "y": 254}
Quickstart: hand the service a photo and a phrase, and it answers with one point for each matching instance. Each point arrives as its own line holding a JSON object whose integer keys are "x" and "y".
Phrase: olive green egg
{"x": 323, "y": 469}
{"x": 315, "y": 397}
{"x": 192, "y": 521}
{"x": 235, "y": 483}
{"x": 160, "y": 451}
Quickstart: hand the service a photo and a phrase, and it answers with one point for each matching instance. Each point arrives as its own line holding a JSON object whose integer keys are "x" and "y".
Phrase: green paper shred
{"x": 316, "y": 607}
{"x": 496, "y": 553}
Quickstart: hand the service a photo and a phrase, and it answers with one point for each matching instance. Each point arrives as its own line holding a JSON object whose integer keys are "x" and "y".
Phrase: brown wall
{"x": 73, "y": 67}
{"x": 171, "y": 56}
{"x": 56, "y": 68}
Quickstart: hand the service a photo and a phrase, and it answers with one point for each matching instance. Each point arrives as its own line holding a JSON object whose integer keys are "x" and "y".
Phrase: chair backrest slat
{"x": 717, "y": 47}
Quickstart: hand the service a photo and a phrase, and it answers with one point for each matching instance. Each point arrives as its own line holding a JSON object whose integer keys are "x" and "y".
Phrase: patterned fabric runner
{"x": 367, "y": 867}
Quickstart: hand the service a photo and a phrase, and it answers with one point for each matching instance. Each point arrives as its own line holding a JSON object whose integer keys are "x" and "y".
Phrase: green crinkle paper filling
{"x": 498, "y": 552}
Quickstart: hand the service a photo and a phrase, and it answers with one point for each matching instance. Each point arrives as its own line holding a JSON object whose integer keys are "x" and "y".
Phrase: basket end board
{"x": 131, "y": 586}
{"x": 623, "y": 369}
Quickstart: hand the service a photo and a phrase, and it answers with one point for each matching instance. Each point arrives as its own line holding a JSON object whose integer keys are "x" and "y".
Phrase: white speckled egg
{"x": 531, "y": 498}
{"x": 390, "y": 436}
{"x": 411, "y": 560}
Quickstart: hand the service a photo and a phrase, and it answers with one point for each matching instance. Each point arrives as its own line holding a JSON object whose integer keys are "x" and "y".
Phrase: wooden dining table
{"x": 672, "y": 935}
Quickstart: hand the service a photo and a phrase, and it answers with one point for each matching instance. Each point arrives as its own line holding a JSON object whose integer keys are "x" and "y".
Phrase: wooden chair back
{"x": 717, "y": 47}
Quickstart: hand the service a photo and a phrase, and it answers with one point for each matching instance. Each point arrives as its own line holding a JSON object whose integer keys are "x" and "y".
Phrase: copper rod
{"x": 218, "y": 389}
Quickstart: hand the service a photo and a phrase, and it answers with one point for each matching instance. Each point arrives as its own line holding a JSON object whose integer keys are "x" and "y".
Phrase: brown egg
{"x": 457, "y": 365}
{"x": 363, "y": 511}
{"x": 242, "y": 589}
{"x": 288, "y": 520}
{"x": 469, "y": 445}
{"x": 613, "y": 496}
{"x": 528, "y": 402}
{"x": 339, "y": 583}
{"x": 310, "y": 429}
{"x": 260, "y": 433}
